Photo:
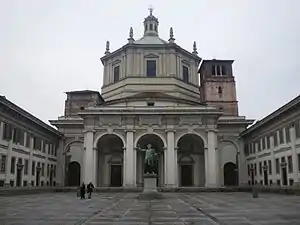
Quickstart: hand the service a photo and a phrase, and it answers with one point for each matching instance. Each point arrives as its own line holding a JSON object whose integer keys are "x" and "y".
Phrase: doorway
{"x": 266, "y": 180}
{"x": 230, "y": 174}
{"x": 186, "y": 175}
{"x": 115, "y": 175}
{"x": 74, "y": 174}
{"x": 37, "y": 181}
{"x": 284, "y": 176}
{"x": 19, "y": 177}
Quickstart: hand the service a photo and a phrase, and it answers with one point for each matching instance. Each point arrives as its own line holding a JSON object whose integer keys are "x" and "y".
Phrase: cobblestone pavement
{"x": 174, "y": 208}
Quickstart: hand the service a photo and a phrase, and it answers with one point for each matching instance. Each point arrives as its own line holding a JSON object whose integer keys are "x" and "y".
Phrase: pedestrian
{"x": 90, "y": 188}
{"x": 82, "y": 191}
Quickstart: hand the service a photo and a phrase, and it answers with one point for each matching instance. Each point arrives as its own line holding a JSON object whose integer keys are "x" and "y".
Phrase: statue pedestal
{"x": 150, "y": 188}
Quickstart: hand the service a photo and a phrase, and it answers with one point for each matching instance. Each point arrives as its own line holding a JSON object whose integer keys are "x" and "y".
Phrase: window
{"x": 213, "y": 70}
{"x": 277, "y": 166}
{"x": 13, "y": 165}
{"x": 185, "y": 74}
{"x": 48, "y": 171}
{"x": 270, "y": 167}
{"x": 28, "y": 138}
{"x": 297, "y": 129}
{"x": 44, "y": 146}
{"x": 151, "y": 68}
{"x": 287, "y": 134}
{"x": 43, "y": 169}
{"x": 248, "y": 167}
{"x": 278, "y": 182}
{"x": 275, "y": 139}
{"x": 37, "y": 143}
{"x": 26, "y": 167}
{"x": 255, "y": 169}
{"x": 7, "y": 132}
{"x": 290, "y": 164}
{"x": 263, "y": 143}
{"x": 258, "y": 146}
{"x": 155, "y": 28}
{"x": 268, "y": 142}
{"x": 55, "y": 151}
{"x": 18, "y": 136}
{"x": 3, "y": 163}
{"x": 281, "y": 138}
{"x": 220, "y": 91}
{"x": 54, "y": 171}
{"x": 33, "y": 168}
{"x": 224, "y": 72}
{"x": 49, "y": 148}
{"x": 271, "y": 182}
{"x": 218, "y": 70}
{"x": 150, "y": 103}
{"x": 291, "y": 181}
{"x": 116, "y": 73}
{"x": 151, "y": 26}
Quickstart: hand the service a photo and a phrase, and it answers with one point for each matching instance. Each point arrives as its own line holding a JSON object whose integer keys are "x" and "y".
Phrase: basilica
{"x": 154, "y": 92}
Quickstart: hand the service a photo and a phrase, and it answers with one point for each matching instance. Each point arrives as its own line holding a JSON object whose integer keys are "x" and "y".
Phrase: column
{"x": 1, "y": 130}
{"x": 211, "y": 160}
{"x": 294, "y": 155}
{"x": 60, "y": 164}
{"x": 89, "y": 154}
{"x": 170, "y": 160}
{"x": 8, "y": 164}
{"x": 95, "y": 157}
{"x": 129, "y": 162}
{"x": 31, "y": 159}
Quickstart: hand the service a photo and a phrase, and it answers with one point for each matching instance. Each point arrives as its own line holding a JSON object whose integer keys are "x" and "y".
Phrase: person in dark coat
{"x": 90, "y": 188}
{"x": 82, "y": 191}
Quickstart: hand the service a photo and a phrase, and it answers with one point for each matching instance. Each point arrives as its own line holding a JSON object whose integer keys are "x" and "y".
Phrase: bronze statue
{"x": 151, "y": 160}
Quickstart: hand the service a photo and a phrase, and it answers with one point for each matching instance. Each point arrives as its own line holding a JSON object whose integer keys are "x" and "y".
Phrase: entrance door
{"x": 74, "y": 174}
{"x": 230, "y": 174}
{"x": 37, "y": 181}
{"x": 116, "y": 175}
{"x": 186, "y": 175}
{"x": 284, "y": 176}
{"x": 19, "y": 177}
{"x": 266, "y": 180}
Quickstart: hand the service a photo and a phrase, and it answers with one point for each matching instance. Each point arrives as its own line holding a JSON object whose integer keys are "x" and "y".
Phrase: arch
{"x": 195, "y": 133}
{"x": 70, "y": 143}
{"x": 231, "y": 142}
{"x": 106, "y": 133}
{"x": 74, "y": 173}
{"x": 230, "y": 174}
{"x": 186, "y": 159}
{"x": 152, "y": 133}
{"x": 115, "y": 159}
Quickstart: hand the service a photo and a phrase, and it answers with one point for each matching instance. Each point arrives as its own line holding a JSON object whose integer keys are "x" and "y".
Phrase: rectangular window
{"x": 268, "y": 142}
{"x": 49, "y": 148}
{"x": 54, "y": 171}
{"x": 7, "y": 132}
{"x": 13, "y": 165}
{"x": 213, "y": 70}
{"x": 290, "y": 164}
{"x": 185, "y": 74}
{"x": 37, "y": 143}
{"x": 26, "y": 167}
{"x": 43, "y": 169}
{"x": 218, "y": 70}
{"x": 151, "y": 68}
{"x": 255, "y": 169}
{"x": 3, "y": 163}
{"x": 287, "y": 134}
{"x": 264, "y": 143}
{"x": 248, "y": 167}
{"x": 116, "y": 73}
{"x": 291, "y": 181}
{"x": 297, "y": 129}
{"x": 224, "y": 72}
{"x": 277, "y": 166}
{"x": 33, "y": 168}
{"x": 48, "y": 171}
{"x": 28, "y": 139}
{"x": 270, "y": 167}
{"x": 281, "y": 138}
{"x": 258, "y": 146}
{"x": 44, "y": 146}
{"x": 275, "y": 139}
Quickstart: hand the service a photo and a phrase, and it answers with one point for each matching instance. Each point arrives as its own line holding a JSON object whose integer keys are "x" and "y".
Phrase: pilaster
{"x": 89, "y": 171}
{"x": 212, "y": 167}
{"x": 8, "y": 164}
{"x": 294, "y": 155}
{"x": 1, "y": 129}
{"x": 129, "y": 162}
{"x": 171, "y": 164}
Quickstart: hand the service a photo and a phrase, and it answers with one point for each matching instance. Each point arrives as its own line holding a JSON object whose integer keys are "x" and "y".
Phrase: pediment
{"x": 185, "y": 62}
{"x": 151, "y": 55}
{"x": 117, "y": 61}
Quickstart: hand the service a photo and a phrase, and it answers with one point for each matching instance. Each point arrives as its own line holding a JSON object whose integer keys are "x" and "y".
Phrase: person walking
{"x": 90, "y": 188}
{"x": 82, "y": 191}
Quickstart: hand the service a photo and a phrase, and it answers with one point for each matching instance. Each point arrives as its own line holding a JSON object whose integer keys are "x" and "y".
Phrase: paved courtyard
{"x": 175, "y": 208}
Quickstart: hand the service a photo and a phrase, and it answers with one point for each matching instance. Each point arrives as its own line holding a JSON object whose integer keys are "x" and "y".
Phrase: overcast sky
{"x": 50, "y": 47}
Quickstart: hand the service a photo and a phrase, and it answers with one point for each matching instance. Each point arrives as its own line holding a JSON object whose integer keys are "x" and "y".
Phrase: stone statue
{"x": 151, "y": 159}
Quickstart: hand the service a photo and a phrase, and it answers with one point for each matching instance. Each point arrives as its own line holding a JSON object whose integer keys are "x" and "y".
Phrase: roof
{"x": 150, "y": 40}
{"x": 273, "y": 116}
{"x": 86, "y": 92}
{"x": 209, "y": 61}
{"x": 27, "y": 115}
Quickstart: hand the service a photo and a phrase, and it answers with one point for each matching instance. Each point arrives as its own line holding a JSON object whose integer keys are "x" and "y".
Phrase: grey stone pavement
{"x": 174, "y": 208}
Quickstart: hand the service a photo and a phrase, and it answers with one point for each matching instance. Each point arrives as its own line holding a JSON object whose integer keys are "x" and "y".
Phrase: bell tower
{"x": 217, "y": 85}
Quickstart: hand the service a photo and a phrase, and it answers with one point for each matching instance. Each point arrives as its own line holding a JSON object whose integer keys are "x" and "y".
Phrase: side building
{"x": 29, "y": 148}
{"x": 272, "y": 147}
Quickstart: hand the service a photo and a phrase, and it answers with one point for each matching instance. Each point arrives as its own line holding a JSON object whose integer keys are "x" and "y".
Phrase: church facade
{"x": 155, "y": 92}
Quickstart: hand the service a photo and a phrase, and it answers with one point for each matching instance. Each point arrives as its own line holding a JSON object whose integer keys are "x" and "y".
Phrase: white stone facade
{"x": 151, "y": 95}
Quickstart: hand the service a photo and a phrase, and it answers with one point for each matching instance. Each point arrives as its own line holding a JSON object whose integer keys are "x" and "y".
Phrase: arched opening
{"x": 109, "y": 166}
{"x": 230, "y": 174}
{"x": 157, "y": 144}
{"x": 191, "y": 161}
{"x": 74, "y": 174}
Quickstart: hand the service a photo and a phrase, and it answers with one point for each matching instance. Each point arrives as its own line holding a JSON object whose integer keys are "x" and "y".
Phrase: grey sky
{"x": 50, "y": 47}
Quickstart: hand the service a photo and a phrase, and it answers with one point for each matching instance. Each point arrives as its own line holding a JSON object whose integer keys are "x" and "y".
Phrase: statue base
{"x": 150, "y": 188}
